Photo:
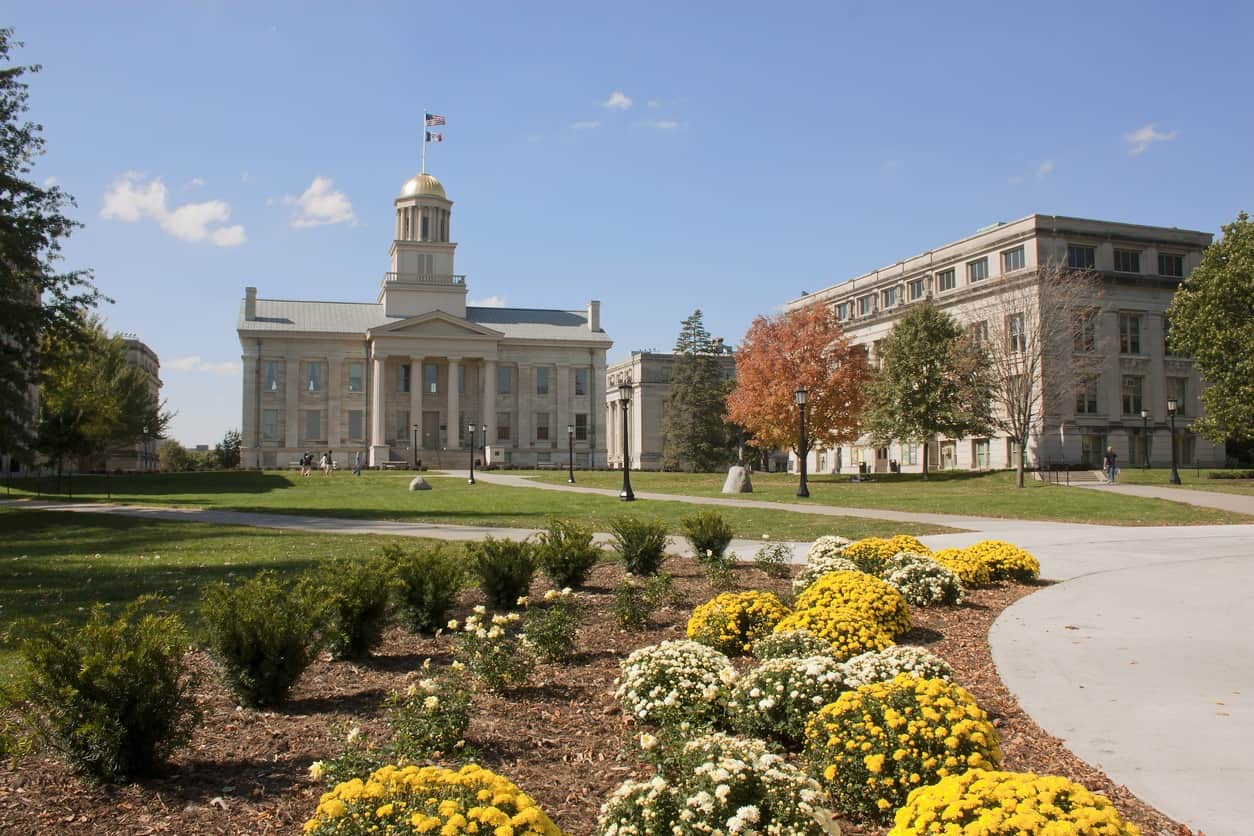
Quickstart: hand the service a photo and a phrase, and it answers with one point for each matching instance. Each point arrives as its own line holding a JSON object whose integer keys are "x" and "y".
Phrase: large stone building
{"x": 142, "y": 455}
{"x": 401, "y": 379}
{"x": 1140, "y": 267}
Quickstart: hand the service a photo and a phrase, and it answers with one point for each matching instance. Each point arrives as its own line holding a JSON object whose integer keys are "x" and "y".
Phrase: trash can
{"x": 862, "y": 469}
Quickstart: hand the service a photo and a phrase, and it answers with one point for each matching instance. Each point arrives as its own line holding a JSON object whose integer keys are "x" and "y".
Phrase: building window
{"x": 977, "y": 270}
{"x": 1016, "y": 333}
{"x": 403, "y": 434}
{"x": 1178, "y": 388}
{"x": 915, "y": 289}
{"x": 313, "y": 425}
{"x": 1086, "y": 399}
{"x": 945, "y": 280}
{"x": 461, "y": 382}
{"x": 581, "y": 381}
{"x": 980, "y": 331}
{"x": 948, "y": 455}
{"x": 912, "y": 453}
{"x": 313, "y": 376}
{"x": 356, "y": 425}
{"x": 1080, "y": 257}
{"x": 842, "y": 311}
{"x": 581, "y": 426}
{"x": 1084, "y": 331}
{"x": 1132, "y": 400}
{"x": 1170, "y": 265}
{"x": 542, "y": 380}
{"x": 1012, "y": 260}
{"x": 430, "y": 376}
{"x": 1127, "y": 261}
{"x": 979, "y": 453}
{"x": 865, "y": 305}
{"x": 542, "y": 426}
{"x": 271, "y": 383}
{"x": 355, "y": 377}
{"x": 889, "y": 297}
{"x": 502, "y": 381}
{"x": 1012, "y": 453}
{"x": 1129, "y": 333}
{"x": 503, "y": 425}
{"x": 402, "y": 377}
{"x": 269, "y": 425}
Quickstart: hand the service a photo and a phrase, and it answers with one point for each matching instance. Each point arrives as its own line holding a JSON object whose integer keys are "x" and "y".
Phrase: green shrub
{"x": 635, "y": 598}
{"x": 431, "y": 716}
{"x": 427, "y": 582}
{"x": 357, "y": 595}
{"x": 504, "y": 569}
{"x": 113, "y": 695}
{"x": 565, "y": 552}
{"x": 360, "y": 756}
{"x": 708, "y": 533}
{"x": 773, "y": 559}
{"x": 264, "y": 634}
{"x": 494, "y": 649}
{"x": 553, "y": 627}
{"x": 640, "y": 543}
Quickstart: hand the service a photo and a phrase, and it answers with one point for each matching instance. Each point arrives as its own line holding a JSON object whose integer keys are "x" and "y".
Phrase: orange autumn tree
{"x": 804, "y": 347}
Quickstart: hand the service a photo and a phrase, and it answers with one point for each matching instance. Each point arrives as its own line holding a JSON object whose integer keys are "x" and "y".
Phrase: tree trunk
{"x": 1019, "y": 464}
{"x": 925, "y": 446}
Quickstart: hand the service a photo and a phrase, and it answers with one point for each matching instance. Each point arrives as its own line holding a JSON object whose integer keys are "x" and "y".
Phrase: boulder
{"x": 419, "y": 484}
{"x": 738, "y": 480}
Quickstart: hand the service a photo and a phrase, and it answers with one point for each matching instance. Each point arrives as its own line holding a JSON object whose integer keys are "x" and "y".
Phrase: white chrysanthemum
{"x": 883, "y": 665}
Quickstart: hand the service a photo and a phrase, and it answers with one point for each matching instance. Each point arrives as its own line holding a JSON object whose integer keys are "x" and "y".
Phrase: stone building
{"x": 1140, "y": 268}
{"x": 403, "y": 378}
{"x": 141, "y": 456}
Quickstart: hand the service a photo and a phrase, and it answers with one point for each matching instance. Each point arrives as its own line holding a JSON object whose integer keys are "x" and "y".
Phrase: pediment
{"x": 434, "y": 324}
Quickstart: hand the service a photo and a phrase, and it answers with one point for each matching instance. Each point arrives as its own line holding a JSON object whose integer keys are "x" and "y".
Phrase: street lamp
{"x": 1145, "y": 435}
{"x": 415, "y": 447}
{"x": 470, "y": 428}
{"x": 624, "y": 398}
{"x": 570, "y": 455}
{"x": 802, "y": 396}
{"x": 1171, "y": 411}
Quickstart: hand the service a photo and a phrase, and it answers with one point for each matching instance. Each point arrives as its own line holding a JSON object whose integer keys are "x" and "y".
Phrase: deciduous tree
{"x": 803, "y": 347}
{"x": 695, "y": 436}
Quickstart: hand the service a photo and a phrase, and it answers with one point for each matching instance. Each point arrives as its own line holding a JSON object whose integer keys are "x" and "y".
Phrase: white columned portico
{"x": 453, "y": 423}
{"x": 489, "y": 400}
{"x": 418, "y": 380}
{"x": 378, "y": 446}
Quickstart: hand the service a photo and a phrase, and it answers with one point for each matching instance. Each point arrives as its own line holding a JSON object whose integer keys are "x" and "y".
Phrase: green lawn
{"x": 975, "y": 494}
{"x": 1190, "y": 478}
{"x": 383, "y": 496}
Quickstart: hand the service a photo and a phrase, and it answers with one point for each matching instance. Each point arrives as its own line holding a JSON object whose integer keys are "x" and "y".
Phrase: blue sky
{"x": 659, "y": 157}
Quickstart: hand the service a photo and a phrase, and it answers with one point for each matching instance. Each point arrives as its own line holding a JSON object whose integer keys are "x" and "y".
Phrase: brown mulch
{"x": 563, "y": 739}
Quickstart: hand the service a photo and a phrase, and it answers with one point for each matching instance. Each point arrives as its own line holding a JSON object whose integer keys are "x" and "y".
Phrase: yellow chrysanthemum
{"x": 731, "y": 622}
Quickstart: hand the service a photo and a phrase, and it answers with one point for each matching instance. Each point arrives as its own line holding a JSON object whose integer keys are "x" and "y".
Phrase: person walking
{"x": 305, "y": 462}
{"x": 357, "y": 463}
{"x": 1109, "y": 462}
{"x": 330, "y": 463}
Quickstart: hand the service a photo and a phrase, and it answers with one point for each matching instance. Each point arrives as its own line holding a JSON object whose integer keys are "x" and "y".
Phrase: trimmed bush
{"x": 789, "y": 643}
{"x": 675, "y": 682}
{"x": 358, "y": 596}
{"x": 428, "y": 580}
{"x": 114, "y": 695}
{"x": 554, "y": 627}
{"x": 846, "y": 632}
{"x": 640, "y": 543}
{"x": 565, "y": 552}
{"x": 871, "y": 553}
{"x": 776, "y": 700}
{"x": 1009, "y": 804}
{"x": 875, "y": 600}
{"x": 708, "y": 533}
{"x": 1006, "y": 561}
{"x": 504, "y": 569}
{"x": 731, "y": 622}
{"x": 826, "y": 547}
{"x": 922, "y": 581}
{"x": 264, "y": 634}
{"x": 820, "y": 566}
{"x": 874, "y": 745}
{"x": 886, "y": 664}
{"x": 972, "y": 571}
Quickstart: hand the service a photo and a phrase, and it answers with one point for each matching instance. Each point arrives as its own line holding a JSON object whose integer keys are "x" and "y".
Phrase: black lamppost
{"x": 415, "y": 447}
{"x": 624, "y": 399}
{"x": 470, "y": 428}
{"x": 1171, "y": 411}
{"x": 802, "y": 396}
{"x": 1145, "y": 435}
{"x": 570, "y": 455}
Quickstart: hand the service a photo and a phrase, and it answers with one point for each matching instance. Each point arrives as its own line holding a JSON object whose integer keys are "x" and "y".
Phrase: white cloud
{"x": 133, "y": 198}
{"x": 585, "y": 125}
{"x": 487, "y": 302}
{"x": 49, "y": 182}
{"x": 195, "y": 365}
{"x": 663, "y": 124}
{"x": 1142, "y": 138}
{"x": 618, "y": 100}
{"x": 1044, "y": 169}
{"x": 320, "y": 205}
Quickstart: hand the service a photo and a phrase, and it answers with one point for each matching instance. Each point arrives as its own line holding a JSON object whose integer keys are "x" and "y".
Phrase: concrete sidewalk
{"x": 1205, "y": 499}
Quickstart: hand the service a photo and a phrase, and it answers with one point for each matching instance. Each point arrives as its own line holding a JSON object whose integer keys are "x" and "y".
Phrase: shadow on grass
{"x": 95, "y": 485}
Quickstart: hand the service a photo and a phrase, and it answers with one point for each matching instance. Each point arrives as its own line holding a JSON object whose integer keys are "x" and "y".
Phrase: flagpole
{"x": 424, "y": 140}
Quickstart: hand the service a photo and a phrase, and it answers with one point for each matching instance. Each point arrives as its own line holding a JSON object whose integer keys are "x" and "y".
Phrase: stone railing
{"x": 436, "y": 279}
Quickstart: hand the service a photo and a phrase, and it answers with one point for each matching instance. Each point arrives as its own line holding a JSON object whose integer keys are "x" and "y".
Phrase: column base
{"x": 378, "y": 455}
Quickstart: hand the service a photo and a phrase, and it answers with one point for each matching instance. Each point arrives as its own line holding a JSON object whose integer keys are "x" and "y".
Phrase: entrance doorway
{"x": 431, "y": 430}
{"x": 1092, "y": 448}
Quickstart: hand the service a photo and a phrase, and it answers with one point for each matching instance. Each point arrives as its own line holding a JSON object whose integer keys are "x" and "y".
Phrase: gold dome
{"x": 422, "y": 184}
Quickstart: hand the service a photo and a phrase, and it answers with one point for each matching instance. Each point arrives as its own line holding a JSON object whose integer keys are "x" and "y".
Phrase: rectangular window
{"x": 430, "y": 374}
{"x": 979, "y": 453}
{"x": 1016, "y": 333}
{"x": 1012, "y": 452}
{"x": 581, "y": 381}
{"x": 402, "y": 377}
{"x": 866, "y": 304}
{"x": 313, "y": 424}
{"x": 542, "y": 426}
{"x": 356, "y": 425}
{"x": 980, "y": 331}
{"x": 1132, "y": 400}
{"x": 404, "y": 433}
{"x": 355, "y": 377}
{"x": 1080, "y": 257}
{"x": 889, "y": 297}
{"x": 912, "y": 454}
{"x": 1129, "y": 333}
{"x": 945, "y": 280}
{"x": 915, "y": 289}
{"x": 842, "y": 310}
{"x": 1170, "y": 265}
{"x": 542, "y": 380}
{"x": 1086, "y": 399}
{"x": 503, "y": 425}
{"x": 1084, "y": 331}
{"x": 1012, "y": 260}
{"x": 1127, "y": 261}
{"x": 502, "y": 381}
{"x": 461, "y": 380}
{"x": 269, "y": 425}
{"x": 977, "y": 271}
{"x": 313, "y": 377}
{"x": 271, "y": 377}
{"x": 581, "y": 426}
{"x": 1178, "y": 388}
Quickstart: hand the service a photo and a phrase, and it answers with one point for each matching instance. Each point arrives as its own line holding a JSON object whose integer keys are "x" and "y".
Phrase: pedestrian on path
{"x": 1110, "y": 466}
{"x": 306, "y": 462}
{"x": 357, "y": 463}
{"x": 328, "y": 464}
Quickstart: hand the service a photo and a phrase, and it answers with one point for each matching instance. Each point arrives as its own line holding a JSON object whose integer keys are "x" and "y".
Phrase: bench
{"x": 395, "y": 464}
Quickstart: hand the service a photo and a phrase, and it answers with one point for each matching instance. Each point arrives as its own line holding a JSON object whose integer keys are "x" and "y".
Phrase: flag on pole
{"x": 434, "y": 119}
{"x": 434, "y": 137}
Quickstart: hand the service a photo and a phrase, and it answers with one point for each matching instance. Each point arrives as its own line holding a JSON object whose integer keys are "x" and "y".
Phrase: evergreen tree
{"x": 695, "y": 436}
{"x": 227, "y": 451}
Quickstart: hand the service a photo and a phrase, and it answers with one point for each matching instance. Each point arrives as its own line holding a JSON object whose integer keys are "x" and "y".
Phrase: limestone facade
{"x": 1141, "y": 267}
{"x": 404, "y": 378}
{"x": 141, "y": 456}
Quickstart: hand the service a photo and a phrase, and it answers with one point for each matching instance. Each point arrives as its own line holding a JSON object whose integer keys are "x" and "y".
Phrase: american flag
{"x": 434, "y": 137}
{"x": 434, "y": 119}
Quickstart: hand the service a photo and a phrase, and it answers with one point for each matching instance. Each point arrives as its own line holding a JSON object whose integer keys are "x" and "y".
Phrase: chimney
{"x": 250, "y": 303}
{"x": 594, "y": 315}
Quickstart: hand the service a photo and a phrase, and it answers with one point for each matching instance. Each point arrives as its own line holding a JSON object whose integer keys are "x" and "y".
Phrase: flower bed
{"x": 873, "y": 599}
{"x": 675, "y": 682}
{"x": 733, "y": 621}
{"x": 846, "y": 632}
